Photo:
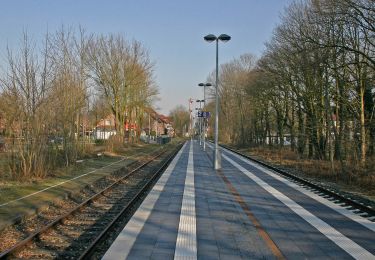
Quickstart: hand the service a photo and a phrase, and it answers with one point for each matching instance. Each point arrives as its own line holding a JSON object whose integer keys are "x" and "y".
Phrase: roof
{"x": 156, "y": 116}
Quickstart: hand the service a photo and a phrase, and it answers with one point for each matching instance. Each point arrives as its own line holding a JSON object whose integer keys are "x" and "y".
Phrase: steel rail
{"x": 91, "y": 248}
{"x": 8, "y": 252}
{"x": 370, "y": 211}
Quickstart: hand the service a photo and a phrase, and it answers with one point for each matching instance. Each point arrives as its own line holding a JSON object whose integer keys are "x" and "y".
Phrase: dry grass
{"x": 350, "y": 176}
{"x": 96, "y": 168}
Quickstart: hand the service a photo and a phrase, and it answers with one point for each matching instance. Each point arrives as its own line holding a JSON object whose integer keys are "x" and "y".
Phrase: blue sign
{"x": 204, "y": 114}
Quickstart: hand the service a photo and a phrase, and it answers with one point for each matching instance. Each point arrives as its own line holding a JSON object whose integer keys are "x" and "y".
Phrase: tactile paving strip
{"x": 186, "y": 245}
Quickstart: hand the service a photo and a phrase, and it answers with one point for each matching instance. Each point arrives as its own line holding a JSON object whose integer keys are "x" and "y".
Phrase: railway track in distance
{"x": 78, "y": 233}
{"x": 343, "y": 200}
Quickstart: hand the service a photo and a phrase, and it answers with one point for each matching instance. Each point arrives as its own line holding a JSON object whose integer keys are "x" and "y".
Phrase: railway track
{"x": 344, "y": 200}
{"x": 77, "y": 233}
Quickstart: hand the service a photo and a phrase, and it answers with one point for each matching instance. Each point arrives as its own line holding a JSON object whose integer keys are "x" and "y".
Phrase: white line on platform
{"x": 335, "y": 236}
{"x": 337, "y": 207}
{"x": 342, "y": 210}
{"x": 59, "y": 184}
{"x": 121, "y": 247}
{"x": 186, "y": 245}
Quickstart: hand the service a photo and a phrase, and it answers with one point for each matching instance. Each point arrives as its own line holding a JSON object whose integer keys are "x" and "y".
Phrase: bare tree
{"x": 123, "y": 72}
{"x": 26, "y": 84}
{"x": 180, "y": 118}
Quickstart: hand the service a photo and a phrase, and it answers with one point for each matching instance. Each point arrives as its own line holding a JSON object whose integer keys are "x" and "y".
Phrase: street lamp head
{"x": 224, "y": 37}
{"x": 205, "y": 84}
{"x": 210, "y": 38}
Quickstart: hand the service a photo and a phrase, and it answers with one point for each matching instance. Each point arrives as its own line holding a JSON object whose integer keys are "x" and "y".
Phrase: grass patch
{"x": 13, "y": 190}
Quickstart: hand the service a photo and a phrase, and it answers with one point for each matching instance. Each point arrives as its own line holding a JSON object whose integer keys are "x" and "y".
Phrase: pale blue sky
{"x": 171, "y": 30}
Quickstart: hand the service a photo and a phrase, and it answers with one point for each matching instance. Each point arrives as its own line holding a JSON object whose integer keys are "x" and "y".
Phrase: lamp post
{"x": 200, "y": 120}
{"x": 197, "y": 124}
{"x": 211, "y": 38}
{"x": 191, "y": 119}
{"x": 204, "y": 85}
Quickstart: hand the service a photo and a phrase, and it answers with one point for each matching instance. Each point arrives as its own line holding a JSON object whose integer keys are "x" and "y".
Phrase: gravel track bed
{"x": 67, "y": 239}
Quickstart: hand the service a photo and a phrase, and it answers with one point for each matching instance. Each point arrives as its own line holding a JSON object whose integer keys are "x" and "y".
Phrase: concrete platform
{"x": 242, "y": 211}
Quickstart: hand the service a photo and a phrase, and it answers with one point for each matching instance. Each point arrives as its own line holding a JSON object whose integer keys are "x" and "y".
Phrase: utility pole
{"x": 149, "y": 126}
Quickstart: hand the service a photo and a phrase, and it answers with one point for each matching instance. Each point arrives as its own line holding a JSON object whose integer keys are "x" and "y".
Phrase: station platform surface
{"x": 243, "y": 211}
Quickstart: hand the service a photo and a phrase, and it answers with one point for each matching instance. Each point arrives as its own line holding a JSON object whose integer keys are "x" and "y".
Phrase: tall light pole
{"x": 200, "y": 121}
{"x": 204, "y": 85}
{"x": 211, "y": 38}
{"x": 191, "y": 118}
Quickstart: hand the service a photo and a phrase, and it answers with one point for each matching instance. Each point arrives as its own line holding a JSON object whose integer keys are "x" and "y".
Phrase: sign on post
{"x": 204, "y": 114}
